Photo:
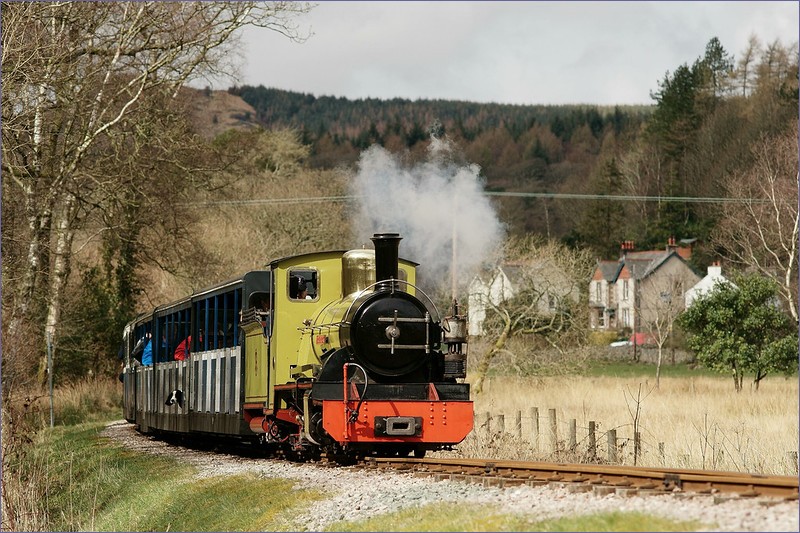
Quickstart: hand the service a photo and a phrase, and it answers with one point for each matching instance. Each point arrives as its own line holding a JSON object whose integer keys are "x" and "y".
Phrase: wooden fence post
{"x": 592, "y": 440}
{"x": 488, "y": 423}
{"x": 535, "y": 428}
{"x": 551, "y": 414}
{"x": 501, "y": 424}
{"x": 573, "y": 435}
{"x": 637, "y": 447}
{"x": 518, "y": 425}
{"x": 612, "y": 445}
{"x": 793, "y": 458}
{"x": 661, "y": 453}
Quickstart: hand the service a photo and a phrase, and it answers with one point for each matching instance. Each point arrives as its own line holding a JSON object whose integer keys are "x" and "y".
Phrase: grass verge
{"x": 454, "y": 517}
{"x": 87, "y": 483}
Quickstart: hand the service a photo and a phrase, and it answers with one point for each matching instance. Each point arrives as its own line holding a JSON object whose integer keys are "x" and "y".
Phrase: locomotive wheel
{"x": 299, "y": 453}
{"x": 340, "y": 456}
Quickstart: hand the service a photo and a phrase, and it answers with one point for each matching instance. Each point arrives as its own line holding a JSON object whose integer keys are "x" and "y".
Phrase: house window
{"x": 625, "y": 289}
{"x": 598, "y": 295}
{"x": 601, "y": 319}
{"x": 626, "y": 318}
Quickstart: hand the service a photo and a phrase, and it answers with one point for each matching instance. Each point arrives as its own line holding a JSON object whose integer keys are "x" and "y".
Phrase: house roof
{"x": 610, "y": 269}
{"x": 638, "y": 264}
{"x": 641, "y": 266}
{"x": 516, "y": 271}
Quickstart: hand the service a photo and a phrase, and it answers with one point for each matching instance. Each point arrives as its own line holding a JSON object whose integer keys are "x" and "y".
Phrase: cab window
{"x": 303, "y": 284}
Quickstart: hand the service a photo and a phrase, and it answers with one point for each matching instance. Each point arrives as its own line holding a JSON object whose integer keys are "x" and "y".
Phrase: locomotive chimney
{"x": 387, "y": 246}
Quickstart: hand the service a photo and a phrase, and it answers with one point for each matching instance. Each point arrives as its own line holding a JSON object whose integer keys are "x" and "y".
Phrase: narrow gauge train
{"x": 335, "y": 351}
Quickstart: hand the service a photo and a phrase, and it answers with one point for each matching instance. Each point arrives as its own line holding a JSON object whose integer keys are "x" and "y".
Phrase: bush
{"x": 602, "y": 338}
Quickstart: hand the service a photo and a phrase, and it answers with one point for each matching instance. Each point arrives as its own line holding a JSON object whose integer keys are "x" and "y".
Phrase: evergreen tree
{"x": 741, "y": 329}
{"x": 602, "y": 226}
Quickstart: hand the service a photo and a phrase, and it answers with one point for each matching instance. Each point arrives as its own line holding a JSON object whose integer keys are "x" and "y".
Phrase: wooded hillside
{"x": 690, "y": 144}
{"x": 518, "y": 147}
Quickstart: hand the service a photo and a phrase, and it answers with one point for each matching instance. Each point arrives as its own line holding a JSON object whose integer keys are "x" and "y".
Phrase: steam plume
{"x": 423, "y": 202}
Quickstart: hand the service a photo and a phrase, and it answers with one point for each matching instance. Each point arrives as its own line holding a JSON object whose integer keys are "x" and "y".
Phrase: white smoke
{"x": 428, "y": 203}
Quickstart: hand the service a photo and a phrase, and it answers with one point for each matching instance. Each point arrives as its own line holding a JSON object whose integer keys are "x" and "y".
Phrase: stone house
{"x": 631, "y": 290}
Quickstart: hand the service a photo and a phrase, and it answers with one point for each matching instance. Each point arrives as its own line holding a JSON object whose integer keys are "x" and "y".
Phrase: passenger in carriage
{"x": 261, "y": 303}
{"x": 229, "y": 335}
{"x": 184, "y": 349}
{"x": 200, "y": 346}
{"x": 147, "y": 354}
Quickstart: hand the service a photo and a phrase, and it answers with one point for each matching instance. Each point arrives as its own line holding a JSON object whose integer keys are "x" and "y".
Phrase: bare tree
{"x": 77, "y": 77}
{"x": 660, "y": 310}
{"x": 745, "y": 65}
{"x": 761, "y": 231}
{"x": 547, "y": 301}
{"x": 287, "y": 208}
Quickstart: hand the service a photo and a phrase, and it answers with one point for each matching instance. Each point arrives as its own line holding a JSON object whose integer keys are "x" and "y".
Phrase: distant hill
{"x": 214, "y": 112}
{"x": 531, "y": 148}
{"x": 355, "y": 120}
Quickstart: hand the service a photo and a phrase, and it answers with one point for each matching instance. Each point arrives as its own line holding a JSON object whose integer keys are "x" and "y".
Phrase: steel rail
{"x": 609, "y": 477}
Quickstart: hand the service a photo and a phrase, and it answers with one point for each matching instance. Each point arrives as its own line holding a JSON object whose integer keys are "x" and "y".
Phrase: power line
{"x": 274, "y": 201}
{"x": 550, "y": 195}
{"x": 620, "y": 197}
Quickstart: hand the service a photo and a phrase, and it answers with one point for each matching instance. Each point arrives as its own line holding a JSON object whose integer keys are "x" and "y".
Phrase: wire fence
{"x": 535, "y": 434}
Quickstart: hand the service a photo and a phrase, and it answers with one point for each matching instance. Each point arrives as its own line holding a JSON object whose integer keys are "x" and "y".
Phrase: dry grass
{"x": 697, "y": 422}
{"x": 25, "y": 476}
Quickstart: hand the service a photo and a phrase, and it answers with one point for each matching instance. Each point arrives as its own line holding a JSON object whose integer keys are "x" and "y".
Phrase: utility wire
{"x": 558, "y": 196}
{"x": 620, "y": 197}
{"x": 274, "y": 201}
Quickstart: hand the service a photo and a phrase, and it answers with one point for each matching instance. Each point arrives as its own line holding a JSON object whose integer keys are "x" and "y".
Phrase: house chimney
{"x": 685, "y": 249}
{"x": 715, "y": 270}
{"x": 671, "y": 246}
{"x": 625, "y": 247}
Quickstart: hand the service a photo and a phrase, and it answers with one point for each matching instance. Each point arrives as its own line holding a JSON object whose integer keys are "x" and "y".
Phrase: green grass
{"x": 86, "y": 483}
{"x": 454, "y": 517}
{"x": 235, "y": 503}
{"x": 615, "y": 521}
{"x": 626, "y": 369}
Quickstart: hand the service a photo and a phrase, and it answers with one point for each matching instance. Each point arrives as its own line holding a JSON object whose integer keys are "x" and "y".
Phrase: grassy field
{"x": 693, "y": 420}
{"x": 68, "y": 478}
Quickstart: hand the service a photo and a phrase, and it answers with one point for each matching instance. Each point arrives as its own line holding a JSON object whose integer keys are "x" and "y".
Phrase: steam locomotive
{"x": 336, "y": 352}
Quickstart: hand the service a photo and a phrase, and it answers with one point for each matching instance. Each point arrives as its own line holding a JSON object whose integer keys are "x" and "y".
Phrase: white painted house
{"x": 707, "y": 284}
{"x": 543, "y": 281}
{"x": 489, "y": 287}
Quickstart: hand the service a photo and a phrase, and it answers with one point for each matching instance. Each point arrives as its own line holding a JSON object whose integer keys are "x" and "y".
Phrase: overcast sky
{"x": 505, "y": 52}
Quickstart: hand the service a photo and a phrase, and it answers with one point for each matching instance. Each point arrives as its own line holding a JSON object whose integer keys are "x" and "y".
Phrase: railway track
{"x": 601, "y": 479}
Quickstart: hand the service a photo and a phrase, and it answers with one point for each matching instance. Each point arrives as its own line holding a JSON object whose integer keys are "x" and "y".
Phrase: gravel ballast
{"x": 358, "y": 495}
